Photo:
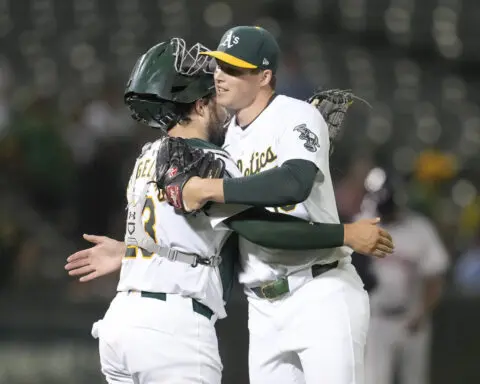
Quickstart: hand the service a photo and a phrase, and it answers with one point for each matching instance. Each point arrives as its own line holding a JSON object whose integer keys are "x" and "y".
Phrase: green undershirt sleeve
{"x": 290, "y": 183}
{"x": 276, "y": 230}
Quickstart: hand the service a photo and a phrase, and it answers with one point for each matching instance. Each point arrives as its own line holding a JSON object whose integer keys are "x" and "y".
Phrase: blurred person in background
{"x": 409, "y": 286}
{"x": 350, "y": 190}
{"x": 349, "y": 193}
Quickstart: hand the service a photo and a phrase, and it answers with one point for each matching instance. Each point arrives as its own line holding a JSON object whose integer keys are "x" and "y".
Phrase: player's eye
{"x": 231, "y": 70}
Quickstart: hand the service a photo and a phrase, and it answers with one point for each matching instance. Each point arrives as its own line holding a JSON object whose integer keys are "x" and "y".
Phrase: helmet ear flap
{"x": 151, "y": 111}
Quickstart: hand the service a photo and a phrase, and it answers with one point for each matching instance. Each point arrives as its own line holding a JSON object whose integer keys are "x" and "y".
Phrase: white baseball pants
{"x": 315, "y": 335}
{"x": 146, "y": 341}
{"x": 390, "y": 345}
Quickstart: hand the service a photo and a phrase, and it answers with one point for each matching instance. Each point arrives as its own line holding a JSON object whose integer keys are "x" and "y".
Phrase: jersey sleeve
{"x": 218, "y": 213}
{"x": 434, "y": 259}
{"x": 305, "y": 137}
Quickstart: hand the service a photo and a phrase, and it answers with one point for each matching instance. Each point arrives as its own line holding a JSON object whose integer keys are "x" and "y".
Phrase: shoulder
{"x": 290, "y": 106}
{"x": 300, "y": 117}
{"x": 149, "y": 148}
{"x": 299, "y": 113}
{"x": 155, "y": 145}
{"x": 145, "y": 148}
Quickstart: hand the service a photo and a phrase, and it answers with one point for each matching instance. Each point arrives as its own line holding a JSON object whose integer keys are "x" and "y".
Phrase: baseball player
{"x": 409, "y": 286}
{"x": 308, "y": 311}
{"x": 173, "y": 281}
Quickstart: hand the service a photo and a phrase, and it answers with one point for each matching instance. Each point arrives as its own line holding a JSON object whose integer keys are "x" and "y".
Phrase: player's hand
{"x": 102, "y": 259}
{"x": 194, "y": 196}
{"x": 367, "y": 238}
{"x": 177, "y": 164}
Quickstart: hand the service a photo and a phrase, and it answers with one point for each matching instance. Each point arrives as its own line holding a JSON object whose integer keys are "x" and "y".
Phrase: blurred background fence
{"x": 67, "y": 146}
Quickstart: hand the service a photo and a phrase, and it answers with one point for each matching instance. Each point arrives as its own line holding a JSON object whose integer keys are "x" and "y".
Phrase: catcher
{"x": 176, "y": 271}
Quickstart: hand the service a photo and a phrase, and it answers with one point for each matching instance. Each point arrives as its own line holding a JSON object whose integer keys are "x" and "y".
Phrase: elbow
{"x": 299, "y": 183}
{"x": 297, "y": 192}
{"x": 303, "y": 191}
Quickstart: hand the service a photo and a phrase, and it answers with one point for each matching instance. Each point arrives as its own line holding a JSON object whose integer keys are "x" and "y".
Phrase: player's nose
{"x": 218, "y": 75}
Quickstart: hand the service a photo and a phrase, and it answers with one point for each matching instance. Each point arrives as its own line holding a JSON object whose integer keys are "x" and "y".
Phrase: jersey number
{"x": 149, "y": 225}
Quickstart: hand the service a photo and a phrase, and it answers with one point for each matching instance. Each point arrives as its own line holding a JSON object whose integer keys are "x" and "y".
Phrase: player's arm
{"x": 302, "y": 153}
{"x": 102, "y": 259}
{"x": 290, "y": 183}
{"x": 275, "y": 230}
{"x": 433, "y": 265}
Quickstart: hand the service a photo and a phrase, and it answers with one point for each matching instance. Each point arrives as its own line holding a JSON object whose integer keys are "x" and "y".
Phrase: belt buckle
{"x": 213, "y": 261}
{"x": 275, "y": 289}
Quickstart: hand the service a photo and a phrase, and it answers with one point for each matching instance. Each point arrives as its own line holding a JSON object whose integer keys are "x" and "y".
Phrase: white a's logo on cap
{"x": 230, "y": 40}
{"x": 265, "y": 61}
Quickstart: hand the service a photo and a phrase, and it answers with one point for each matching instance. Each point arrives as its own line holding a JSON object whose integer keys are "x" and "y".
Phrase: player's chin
{"x": 224, "y": 99}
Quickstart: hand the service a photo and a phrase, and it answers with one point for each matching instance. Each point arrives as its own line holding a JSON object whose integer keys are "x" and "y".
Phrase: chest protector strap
{"x": 138, "y": 237}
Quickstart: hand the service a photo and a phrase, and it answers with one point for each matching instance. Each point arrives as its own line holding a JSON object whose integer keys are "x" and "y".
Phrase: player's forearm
{"x": 274, "y": 230}
{"x": 289, "y": 184}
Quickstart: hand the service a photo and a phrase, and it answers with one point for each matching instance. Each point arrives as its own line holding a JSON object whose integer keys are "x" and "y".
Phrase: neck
{"x": 191, "y": 130}
{"x": 246, "y": 115}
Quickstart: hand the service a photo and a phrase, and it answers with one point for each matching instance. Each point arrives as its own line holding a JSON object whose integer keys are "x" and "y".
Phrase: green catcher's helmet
{"x": 168, "y": 74}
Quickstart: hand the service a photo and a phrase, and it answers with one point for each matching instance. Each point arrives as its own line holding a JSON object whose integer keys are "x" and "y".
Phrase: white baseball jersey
{"x": 419, "y": 253}
{"x": 200, "y": 234}
{"x": 287, "y": 129}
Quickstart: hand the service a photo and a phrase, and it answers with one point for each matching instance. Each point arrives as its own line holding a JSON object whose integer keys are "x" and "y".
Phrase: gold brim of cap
{"x": 229, "y": 59}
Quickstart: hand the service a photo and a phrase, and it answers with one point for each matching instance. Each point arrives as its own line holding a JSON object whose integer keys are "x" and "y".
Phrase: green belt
{"x": 198, "y": 307}
{"x": 277, "y": 288}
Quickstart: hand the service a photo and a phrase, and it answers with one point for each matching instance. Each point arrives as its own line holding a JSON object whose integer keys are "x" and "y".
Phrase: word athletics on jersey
{"x": 258, "y": 161}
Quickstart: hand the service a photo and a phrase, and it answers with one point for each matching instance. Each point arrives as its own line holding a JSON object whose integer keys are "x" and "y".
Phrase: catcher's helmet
{"x": 167, "y": 75}
{"x": 385, "y": 192}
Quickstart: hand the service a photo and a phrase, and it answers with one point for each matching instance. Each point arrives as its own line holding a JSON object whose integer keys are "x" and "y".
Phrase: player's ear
{"x": 201, "y": 107}
{"x": 266, "y": 77}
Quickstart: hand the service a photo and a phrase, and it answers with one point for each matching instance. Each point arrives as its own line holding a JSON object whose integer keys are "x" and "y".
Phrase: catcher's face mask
{"x": 165, "y": 75}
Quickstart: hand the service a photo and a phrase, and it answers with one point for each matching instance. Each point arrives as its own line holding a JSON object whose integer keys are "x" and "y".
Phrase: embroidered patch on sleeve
{"x": 311, "y": 139}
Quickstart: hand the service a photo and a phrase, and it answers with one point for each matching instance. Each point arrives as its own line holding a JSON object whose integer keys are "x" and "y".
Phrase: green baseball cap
{"x": 248, "y": 47}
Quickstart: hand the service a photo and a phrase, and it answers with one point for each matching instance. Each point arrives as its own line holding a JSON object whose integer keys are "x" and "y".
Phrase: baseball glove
{"x": 333, "y": 104}
{"x": 177, "y": 162}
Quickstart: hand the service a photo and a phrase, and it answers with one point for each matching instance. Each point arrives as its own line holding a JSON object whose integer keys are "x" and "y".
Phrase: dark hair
{"x": 273, "y": 82}
{"x": 273, "y": 79}
{"x": 184, "y": 110}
